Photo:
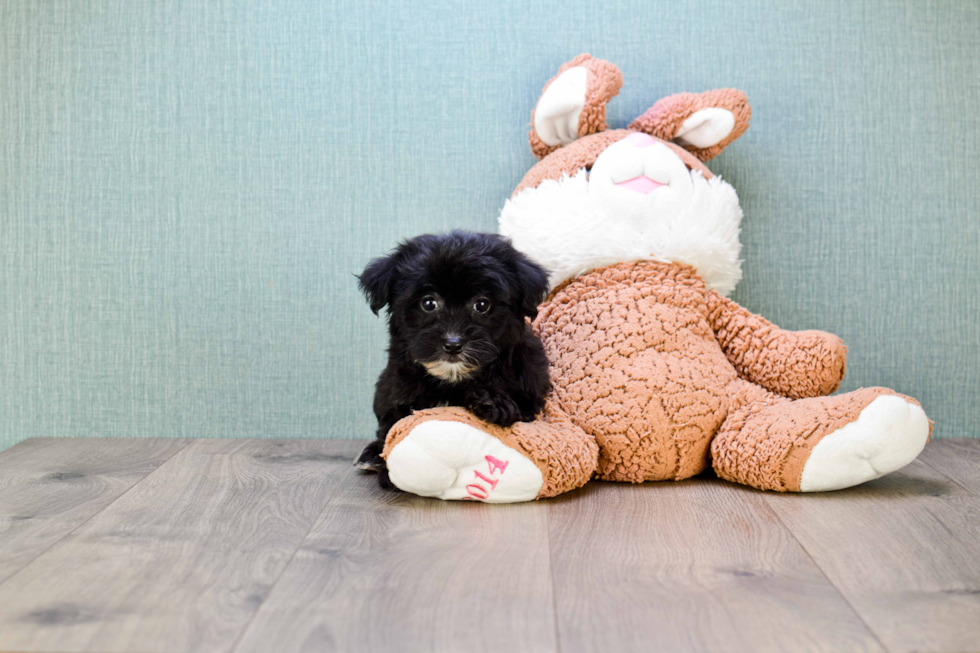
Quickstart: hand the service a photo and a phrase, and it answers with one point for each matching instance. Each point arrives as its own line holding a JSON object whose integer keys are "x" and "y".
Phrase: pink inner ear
{"x": 642, "y": 185}
{"x": 639, "y": 139}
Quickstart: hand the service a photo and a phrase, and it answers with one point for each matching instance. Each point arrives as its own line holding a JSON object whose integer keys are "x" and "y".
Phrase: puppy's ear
{"x": 376, "y": 280}
{"x": 532, "y": 280}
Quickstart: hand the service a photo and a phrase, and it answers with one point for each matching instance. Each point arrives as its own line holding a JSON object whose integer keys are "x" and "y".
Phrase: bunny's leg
{"x": 448, "y": 453}
{"x": 817, "y": 444}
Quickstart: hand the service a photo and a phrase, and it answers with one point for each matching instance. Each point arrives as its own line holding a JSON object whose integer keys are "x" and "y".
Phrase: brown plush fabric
{"x": 795, "y": 364}
{"x": 564, "y": 453}
{"x": 603, "y": 82}
{"x": 583, "y": 153}
{"x": 665, "y": 117}
{"x": 635, "y": 363}
{"x": 656, "y": 367}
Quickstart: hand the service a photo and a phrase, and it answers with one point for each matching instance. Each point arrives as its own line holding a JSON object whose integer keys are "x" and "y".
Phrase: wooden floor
{"x": 279, "y": 545}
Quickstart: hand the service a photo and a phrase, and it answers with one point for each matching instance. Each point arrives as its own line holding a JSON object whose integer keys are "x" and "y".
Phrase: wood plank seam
{"x": 951, "y": 479}
{"x": 184, "y": 444}
{"x": 551, "y": 576}
{"x": 313, "y": 523}
{"x": 840, "y": 592}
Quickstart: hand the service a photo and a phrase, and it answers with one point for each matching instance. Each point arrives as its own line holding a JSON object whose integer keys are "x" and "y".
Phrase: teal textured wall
{"x": 187, "y": 188}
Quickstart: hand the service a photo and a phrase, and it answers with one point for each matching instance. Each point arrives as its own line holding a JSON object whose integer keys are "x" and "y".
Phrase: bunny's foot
{"x": 817, "y": 444}
{"x": 447, "y": 453}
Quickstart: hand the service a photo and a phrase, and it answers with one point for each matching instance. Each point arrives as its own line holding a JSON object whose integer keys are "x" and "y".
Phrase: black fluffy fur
{"x": 509, "y": 377}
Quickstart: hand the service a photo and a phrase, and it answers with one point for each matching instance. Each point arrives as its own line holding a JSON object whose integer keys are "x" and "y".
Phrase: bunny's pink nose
{"x": 642, "y": 185}
{"x": 639, "y": 139}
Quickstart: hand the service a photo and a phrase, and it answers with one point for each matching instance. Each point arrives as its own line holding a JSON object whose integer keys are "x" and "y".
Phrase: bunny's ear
{"x": 573, "y": 103}
{"x": 702, "y": 123}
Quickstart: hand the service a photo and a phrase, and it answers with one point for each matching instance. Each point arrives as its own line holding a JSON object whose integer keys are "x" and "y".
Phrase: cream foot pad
{"x": 454, "y": 461}
{"x": 887, "y": 435}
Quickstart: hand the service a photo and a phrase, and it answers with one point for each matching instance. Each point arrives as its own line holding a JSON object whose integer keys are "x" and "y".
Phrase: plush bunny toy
{"x": 655, "y": 373}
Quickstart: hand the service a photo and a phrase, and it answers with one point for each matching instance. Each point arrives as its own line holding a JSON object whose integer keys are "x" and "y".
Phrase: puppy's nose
{"x": 452, "y": 345}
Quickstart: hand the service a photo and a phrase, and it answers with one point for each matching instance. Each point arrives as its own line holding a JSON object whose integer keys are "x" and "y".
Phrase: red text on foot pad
{"x": 478, "y": 490}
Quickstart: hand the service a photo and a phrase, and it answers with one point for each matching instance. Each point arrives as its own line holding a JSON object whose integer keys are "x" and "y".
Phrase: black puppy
{"x": 456, "y": 309}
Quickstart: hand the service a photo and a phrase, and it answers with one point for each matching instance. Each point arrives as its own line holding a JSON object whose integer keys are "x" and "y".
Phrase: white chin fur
{"x": 448, "y": 371}
{"x": 570, "y": 231}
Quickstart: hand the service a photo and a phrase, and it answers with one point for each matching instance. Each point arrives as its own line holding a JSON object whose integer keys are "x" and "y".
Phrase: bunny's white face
{"x": 639, "y": 201}
{"x": 640, "y": 179}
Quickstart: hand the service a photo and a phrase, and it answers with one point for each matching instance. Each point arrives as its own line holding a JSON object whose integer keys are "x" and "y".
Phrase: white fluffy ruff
{"x": 563, "y": 227}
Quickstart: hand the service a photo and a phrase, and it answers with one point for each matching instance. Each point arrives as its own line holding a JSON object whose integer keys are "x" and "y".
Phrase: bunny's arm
{"x": 795, "y": 364}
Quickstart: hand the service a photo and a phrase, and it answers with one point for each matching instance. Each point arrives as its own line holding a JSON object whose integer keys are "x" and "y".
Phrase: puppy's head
{"x": 455, "y": 302}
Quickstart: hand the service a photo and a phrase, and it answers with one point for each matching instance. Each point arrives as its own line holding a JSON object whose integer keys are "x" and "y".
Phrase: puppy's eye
{"x": 482, "y": 305}
{"x": 429, "y": 303}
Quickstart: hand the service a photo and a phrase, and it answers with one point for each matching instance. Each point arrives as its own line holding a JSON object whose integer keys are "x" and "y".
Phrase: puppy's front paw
{"x": 527, "y": 415}
{"x": 494, "y": 407}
